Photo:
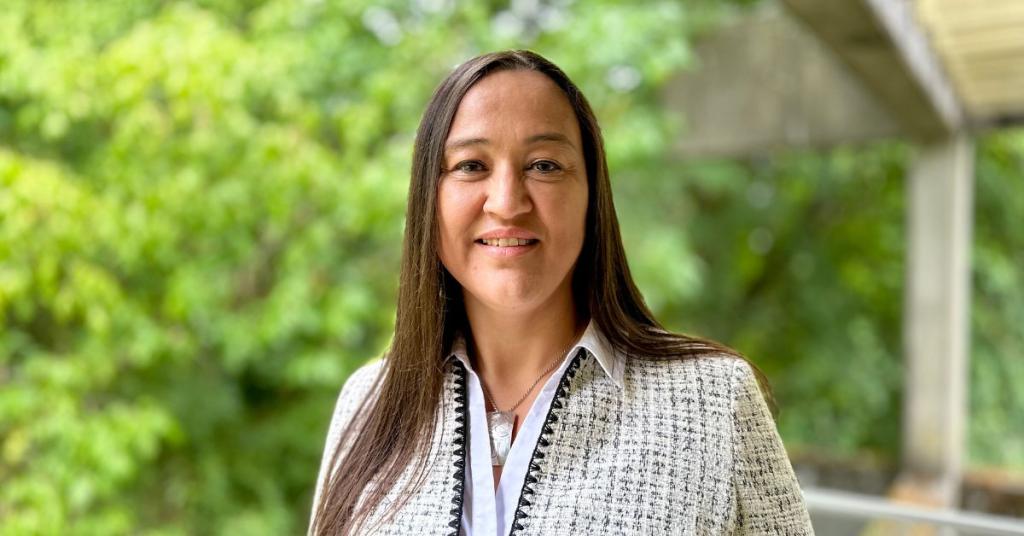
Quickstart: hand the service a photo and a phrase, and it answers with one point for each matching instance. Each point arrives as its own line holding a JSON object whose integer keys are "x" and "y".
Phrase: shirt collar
{"x": 593, "y": 340}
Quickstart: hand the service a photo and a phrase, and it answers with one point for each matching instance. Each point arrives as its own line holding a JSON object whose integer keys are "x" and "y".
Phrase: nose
{"x": 507, "y": 195}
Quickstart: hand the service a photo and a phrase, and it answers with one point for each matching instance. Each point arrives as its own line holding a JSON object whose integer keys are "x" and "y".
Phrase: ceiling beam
{"x": 882, "y": 43}
{"x": 762, "y": 83}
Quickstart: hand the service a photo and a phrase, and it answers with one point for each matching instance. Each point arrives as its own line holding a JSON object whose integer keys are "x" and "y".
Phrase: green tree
{"x": 201, "y": 214}
{"x": 996, "y": 425}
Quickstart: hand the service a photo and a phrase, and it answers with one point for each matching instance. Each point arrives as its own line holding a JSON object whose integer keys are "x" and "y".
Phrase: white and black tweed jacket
{"x": 686, "y": 447}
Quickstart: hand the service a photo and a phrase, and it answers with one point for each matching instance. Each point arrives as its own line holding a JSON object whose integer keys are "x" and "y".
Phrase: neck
{"x": 509, "y": 351}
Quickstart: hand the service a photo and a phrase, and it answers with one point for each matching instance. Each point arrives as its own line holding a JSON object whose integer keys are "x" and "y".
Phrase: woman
{"x": 528, "y": 389}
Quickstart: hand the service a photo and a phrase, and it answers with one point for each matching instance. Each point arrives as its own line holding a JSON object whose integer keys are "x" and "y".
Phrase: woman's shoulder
{"x": 353, "y": 392}
{"x": 712, "y": 366}
{"x": 358, "y": 385}
{"x": 718, "y": 378}
{"x": 364, "y": 376}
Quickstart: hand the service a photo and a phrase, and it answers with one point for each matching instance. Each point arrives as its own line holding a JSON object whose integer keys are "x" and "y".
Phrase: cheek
{"x": 581, "y": 214}
{"x": 446, "y": 206}
{"x": 573, "y": 210}
{"x": 453, "y": 221}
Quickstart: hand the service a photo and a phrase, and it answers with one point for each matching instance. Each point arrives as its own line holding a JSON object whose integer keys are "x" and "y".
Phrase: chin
{"x": 508, "y": 301}
{"x": 516, "y": 303}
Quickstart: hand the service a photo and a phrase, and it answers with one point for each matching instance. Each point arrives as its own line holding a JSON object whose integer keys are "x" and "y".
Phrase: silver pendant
{"x": 499, "y": 424}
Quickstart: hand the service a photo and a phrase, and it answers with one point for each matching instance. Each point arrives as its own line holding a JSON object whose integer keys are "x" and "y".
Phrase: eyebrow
{"x": 536, "y": 138}
{"x": 556, "y": 137}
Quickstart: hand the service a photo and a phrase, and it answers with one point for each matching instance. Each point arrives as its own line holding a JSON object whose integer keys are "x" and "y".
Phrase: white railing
{"x": 853, "y": 505}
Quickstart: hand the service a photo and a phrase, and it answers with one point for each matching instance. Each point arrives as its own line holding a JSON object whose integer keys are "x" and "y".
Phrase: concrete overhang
{"x": 883, "y": 43}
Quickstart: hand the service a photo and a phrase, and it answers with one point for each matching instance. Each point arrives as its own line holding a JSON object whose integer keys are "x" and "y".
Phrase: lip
{"x": 507, "y": 232}
{"x": 506, "y": 252}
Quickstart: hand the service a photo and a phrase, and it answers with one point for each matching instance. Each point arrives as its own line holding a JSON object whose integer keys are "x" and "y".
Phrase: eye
{"x": 469, "y": 166}
{"x": 546, "y": 166}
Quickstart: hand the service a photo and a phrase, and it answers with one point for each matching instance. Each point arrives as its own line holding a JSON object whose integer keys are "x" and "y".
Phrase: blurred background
{"x": 201, "y": 208}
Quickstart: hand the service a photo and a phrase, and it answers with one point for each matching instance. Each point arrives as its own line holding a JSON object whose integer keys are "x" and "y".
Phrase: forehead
{"x": 514, "y": 103}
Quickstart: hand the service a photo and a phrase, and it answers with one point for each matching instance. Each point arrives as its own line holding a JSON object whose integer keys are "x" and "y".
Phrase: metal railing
{"x": 853, "y": 505}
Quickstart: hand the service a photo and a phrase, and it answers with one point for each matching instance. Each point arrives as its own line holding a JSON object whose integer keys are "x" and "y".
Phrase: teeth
{"x": 506, "y": 242}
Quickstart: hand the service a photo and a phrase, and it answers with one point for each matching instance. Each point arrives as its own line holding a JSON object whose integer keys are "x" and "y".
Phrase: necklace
{"x": 500, "y": 423}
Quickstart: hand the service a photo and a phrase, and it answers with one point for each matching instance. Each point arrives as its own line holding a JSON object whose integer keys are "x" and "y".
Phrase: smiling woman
{"x": 513, "y": 277}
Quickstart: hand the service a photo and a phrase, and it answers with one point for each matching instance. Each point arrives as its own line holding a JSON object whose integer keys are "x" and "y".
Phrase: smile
{"x": 504, "y": 248}
{"x": 506, "y": 242}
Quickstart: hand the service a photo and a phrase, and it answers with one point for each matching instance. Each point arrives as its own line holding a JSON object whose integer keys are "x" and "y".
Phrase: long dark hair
{"x": 430, "y": 308}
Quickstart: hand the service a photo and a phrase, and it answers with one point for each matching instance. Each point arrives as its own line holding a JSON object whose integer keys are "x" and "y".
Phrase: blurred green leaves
{"x": 201, "y": 221}
{"x": 996, "y": 425}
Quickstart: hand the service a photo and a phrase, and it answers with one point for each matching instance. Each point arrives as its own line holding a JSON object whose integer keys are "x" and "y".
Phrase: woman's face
{"x": 513, "y": 168}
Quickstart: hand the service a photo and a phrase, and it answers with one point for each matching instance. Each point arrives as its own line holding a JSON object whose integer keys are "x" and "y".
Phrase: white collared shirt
{"x": 487, "y": 511}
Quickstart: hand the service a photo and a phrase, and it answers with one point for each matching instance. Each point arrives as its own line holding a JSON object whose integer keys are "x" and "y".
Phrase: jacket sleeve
{"x": 356, "y": 388}
{"x": 768, "y": 497}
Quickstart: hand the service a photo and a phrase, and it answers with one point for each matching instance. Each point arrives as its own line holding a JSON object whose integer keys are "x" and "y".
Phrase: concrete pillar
{"x": 936, "y": 321}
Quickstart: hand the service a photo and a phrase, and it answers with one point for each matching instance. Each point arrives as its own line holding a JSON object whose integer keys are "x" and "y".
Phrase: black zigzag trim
{"x": 543, "y": 442}
{"x": 461, "y": 444}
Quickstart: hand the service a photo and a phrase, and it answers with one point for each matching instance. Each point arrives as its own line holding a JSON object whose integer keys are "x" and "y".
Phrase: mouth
{"x": 507, "y": 242}
{"x": 507, "y": 248}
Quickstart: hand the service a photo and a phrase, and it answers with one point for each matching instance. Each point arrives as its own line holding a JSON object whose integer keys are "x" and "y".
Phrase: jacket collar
{"x": 611, "y": 361}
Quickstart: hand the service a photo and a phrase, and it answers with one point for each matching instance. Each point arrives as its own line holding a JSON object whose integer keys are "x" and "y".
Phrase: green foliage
{"x": 200, "y": 215}
{"x": 996, "y": 420}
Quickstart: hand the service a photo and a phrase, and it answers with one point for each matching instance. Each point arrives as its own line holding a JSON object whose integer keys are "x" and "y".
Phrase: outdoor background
{"x": 201, "y": 208}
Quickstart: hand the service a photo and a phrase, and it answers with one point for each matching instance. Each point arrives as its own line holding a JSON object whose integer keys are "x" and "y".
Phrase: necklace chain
{"x": 554, "y": 364}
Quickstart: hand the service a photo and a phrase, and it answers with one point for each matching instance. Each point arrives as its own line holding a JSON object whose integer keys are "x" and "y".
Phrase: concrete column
{"x": 936, "y": 320}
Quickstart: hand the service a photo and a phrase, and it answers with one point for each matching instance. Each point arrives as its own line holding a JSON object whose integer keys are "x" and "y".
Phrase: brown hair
{"x": 430, "y": 309}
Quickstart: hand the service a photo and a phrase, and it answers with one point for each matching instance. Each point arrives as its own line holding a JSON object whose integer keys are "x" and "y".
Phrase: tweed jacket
{"x": 685, "y": 447}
